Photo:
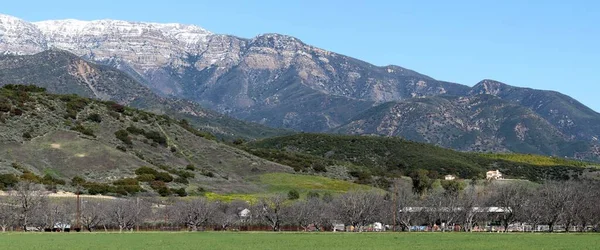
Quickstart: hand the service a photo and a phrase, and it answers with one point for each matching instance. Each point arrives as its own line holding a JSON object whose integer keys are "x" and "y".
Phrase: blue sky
{"x": 552, "y": 45}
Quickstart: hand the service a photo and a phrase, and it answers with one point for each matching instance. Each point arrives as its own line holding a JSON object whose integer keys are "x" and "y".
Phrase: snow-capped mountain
{"x": 278, "y": 80}
{"x": 145, "y": 45}
{"x": 20, "y": 37}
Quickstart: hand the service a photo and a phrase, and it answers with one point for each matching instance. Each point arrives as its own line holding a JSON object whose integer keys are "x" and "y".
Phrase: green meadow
{"x": 269, "y": 240}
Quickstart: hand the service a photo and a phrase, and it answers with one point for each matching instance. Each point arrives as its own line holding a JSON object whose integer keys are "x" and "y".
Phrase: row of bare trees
{"x": 29, "y": 208}
{"x": 507, "y": 205}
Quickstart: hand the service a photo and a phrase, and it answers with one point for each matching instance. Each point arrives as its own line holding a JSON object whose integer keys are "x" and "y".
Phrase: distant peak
{"x": 273, "y": 38}
{"x": 491, "y": 82}
{"x": 490, "y": 87}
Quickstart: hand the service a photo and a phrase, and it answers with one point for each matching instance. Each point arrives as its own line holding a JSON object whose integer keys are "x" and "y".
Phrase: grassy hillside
{"x": 384, "y": 156}
{"x": 539, "y": 160}
{"x": 64, "y": 140}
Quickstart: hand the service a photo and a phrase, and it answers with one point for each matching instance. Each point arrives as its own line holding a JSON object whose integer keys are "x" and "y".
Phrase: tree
{"x": 453, "y": 186}
{"x": 313, "y": 194}
{"x": 54, "y": 214}
{"x": 400, "y": 210}
{"x": 443, "y": 208}
{"x": 532, "y": 209}
{"x": 421, "y": 181}
{"x": 293, "y": 194}
{"x": 554, "y": 197}
{"x": 305, "y": 213}
{"x": 127, "y": 214}
{"x": 196, "y": 213}
{"x": 271, "y": 211}
{"x": 357, "y": 208}
{"x": 29, "y": 197}
{"x": 8, "y": 181}
{"x": 511, "y": 199}
{"x": 590, "y": 212}
{"x": 230, "y": 214}
{"x": 472, "y": 203}
{"x": 78, "y": 181}
{"x": 93, "y": 213}
{"x": 8, "y": 217}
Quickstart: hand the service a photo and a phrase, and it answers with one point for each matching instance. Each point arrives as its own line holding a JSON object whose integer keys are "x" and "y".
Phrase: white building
{"x": 449, "y": 177}
{"x": 493, "y": 175}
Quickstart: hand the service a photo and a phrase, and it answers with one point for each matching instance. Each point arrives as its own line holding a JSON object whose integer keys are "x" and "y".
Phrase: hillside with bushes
{"x": 368, "y": 156}
{"x": 69, "y": 142}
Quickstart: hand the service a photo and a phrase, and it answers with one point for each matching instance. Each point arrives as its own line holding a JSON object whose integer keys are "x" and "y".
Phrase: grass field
{"x": 283, "y": 182}
{"x": 540, "y": 160}
{"x": 264, "y": 240}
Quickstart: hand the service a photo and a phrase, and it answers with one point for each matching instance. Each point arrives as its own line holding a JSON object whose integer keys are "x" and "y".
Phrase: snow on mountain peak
{"x": 7, "y": 19}
{"x": 144, "y": 45}
{"x": 19, "y": 37}
{"x": 187, "y": 34}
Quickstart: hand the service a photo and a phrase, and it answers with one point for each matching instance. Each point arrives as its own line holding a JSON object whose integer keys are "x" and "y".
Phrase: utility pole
{"x": 78, "y": 225}
{"x": 394, "y": 205}
{"x": 137, "y": 207}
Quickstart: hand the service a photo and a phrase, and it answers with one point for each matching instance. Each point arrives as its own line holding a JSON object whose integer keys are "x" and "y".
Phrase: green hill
{"x": 393, "y": 157}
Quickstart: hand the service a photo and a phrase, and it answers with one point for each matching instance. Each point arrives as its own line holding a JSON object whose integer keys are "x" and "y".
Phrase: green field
{"x": 264, "y": 240}
{"x": 281, "y": 183}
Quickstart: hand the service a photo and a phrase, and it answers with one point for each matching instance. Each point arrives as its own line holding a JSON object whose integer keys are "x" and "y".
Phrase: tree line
{"x": 504, "y": 206}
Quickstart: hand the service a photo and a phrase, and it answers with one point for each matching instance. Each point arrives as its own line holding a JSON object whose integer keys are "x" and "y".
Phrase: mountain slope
{"x": 247, "y": 78}
{"x": 565, "y": 113}
{"x": 64, "y": 73}
{"x": 104, "y": 142}
{"x": 480, "y": 123}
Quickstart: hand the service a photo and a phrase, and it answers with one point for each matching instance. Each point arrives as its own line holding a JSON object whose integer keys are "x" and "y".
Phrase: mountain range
{"x": 279, "y": 81}
{"x": 61, "y": 72}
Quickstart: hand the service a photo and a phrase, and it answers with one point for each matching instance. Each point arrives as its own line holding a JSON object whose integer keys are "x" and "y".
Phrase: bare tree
{"x": 590, "y": 211}
{"x": 472, "y": 204}
{"x": 93, "y": 213}
{"x": 357, "y": 208}
{"x": 306, "y": 213}
{"x": 400, "y": 209}
{"x": 510, "y": 198}
{"x": 443, "y": 208}
{"x": 8, "y": 217}
{"x": 575, "y": 204}
{"x": 271, "y": 211}
{"x": 326, "y": 216}
{"x": 242, "y": 211}
{"x": 128, "y": 213}
{"x": 230, "y": 214}
{"x": 554, "y": 197}
{"x": 54, "y": 215}
{"x": 532, "y": 210}
{"x": 196, "y": 213}
{"x": 29, "y": 197}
